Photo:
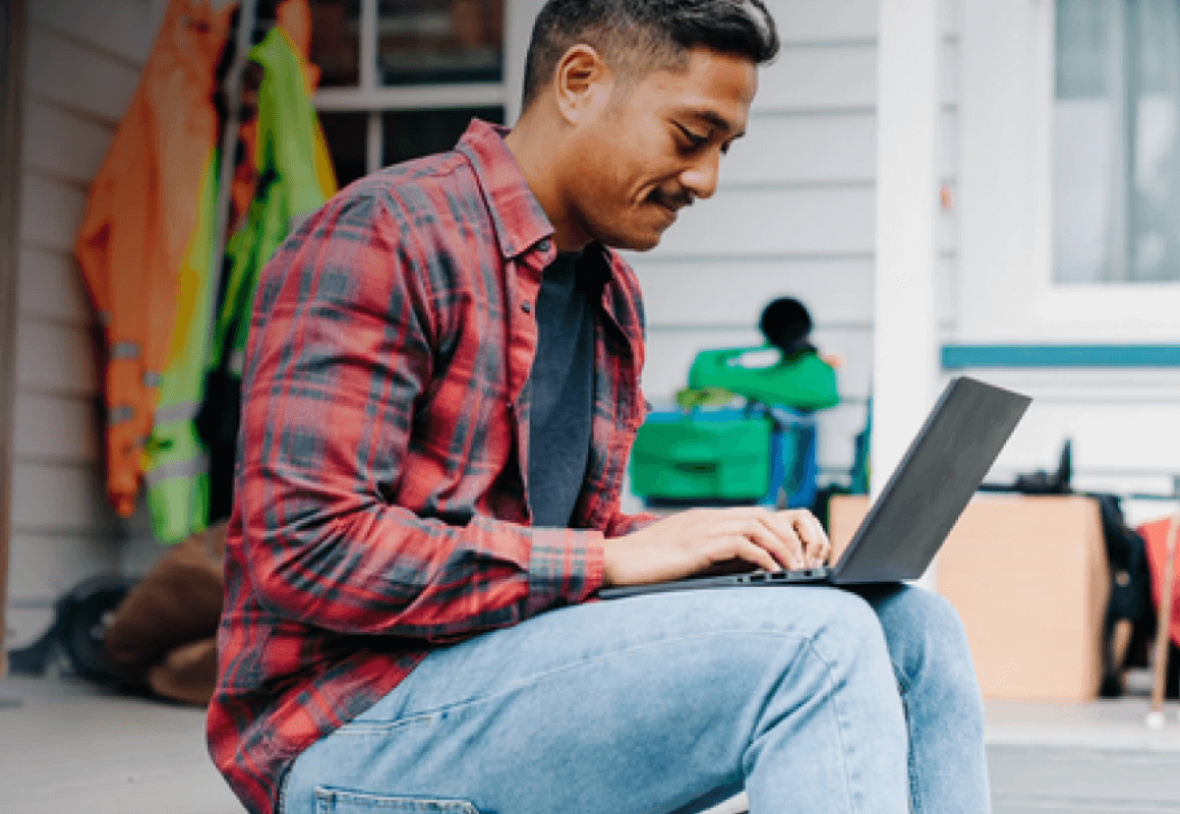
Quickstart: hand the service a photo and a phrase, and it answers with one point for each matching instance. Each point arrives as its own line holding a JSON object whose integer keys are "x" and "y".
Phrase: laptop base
{"x": 805, "y": 576}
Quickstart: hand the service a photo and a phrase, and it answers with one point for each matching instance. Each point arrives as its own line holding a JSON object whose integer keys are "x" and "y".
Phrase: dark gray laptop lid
{"x": 933, "y": 484}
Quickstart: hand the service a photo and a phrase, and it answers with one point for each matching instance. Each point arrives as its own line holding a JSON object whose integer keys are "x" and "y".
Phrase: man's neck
{"x": 532, "y": 145}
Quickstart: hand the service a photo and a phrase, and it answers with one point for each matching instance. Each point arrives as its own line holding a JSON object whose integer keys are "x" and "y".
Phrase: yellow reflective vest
{"x": 294, "y": 178}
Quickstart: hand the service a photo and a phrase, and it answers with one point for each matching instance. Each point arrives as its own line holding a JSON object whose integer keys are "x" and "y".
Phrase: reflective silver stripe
{"x": 174, "y": 469}
{"x": 121, "y": 414}
{"x": 125, "y": 351}
{"x": 183, "y": 411}
{"x": 237, "y": 361}
{"x": 151, "y": 379}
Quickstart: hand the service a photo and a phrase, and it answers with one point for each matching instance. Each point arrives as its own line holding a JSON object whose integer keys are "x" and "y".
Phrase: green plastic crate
{"x": 693, "y": 458}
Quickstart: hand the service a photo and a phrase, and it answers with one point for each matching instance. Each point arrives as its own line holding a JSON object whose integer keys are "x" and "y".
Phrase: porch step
{"x": 1079, "y": 780}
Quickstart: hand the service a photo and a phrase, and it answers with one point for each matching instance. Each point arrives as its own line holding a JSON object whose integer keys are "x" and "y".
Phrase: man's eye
{"x": 694, "y": 141}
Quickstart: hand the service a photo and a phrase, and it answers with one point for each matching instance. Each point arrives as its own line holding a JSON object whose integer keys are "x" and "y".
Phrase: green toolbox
{"x": 706, "y": 455}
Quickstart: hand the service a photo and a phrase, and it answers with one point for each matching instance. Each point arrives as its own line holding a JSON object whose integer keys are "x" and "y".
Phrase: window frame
{"x": 375, "y": 99}
{"x": 1008, "y": 290}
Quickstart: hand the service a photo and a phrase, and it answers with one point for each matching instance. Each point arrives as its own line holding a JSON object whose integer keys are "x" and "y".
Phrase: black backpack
{"x": 75, "y": 639}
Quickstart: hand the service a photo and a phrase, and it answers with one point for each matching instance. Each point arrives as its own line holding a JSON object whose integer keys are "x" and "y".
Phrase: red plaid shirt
{"x": 381, "y": 499}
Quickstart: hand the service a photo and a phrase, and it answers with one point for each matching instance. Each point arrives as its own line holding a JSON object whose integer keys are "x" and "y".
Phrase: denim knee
{"x": 846, "y": 621}
{"x": 929, "y": 647}
{"x": 933, "y": 631}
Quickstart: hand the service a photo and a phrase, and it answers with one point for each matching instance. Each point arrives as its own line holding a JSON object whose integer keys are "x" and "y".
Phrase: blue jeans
{"x": 671, "y": 703}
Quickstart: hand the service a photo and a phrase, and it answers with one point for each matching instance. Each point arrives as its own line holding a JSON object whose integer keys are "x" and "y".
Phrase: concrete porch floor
{"x": 69, "y": 746}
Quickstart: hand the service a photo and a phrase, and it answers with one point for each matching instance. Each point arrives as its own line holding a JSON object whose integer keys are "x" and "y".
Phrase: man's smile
{"x": 671, "y": 204}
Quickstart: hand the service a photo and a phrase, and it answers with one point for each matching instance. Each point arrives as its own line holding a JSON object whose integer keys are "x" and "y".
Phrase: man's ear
{"x": 583, "y": 83}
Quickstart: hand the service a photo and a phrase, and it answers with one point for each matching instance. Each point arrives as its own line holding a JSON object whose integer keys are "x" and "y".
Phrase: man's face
{"x": 656, "y": 146}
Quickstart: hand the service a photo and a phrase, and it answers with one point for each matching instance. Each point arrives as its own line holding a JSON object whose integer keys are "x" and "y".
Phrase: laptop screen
{"x": 938, "y": 475}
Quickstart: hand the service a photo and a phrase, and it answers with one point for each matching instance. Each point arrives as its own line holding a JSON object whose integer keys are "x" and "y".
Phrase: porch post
{"x": 905, "y": 346}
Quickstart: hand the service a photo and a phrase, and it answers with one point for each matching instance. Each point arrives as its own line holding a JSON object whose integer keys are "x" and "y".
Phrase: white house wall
{"x": 1122, "y": 421}
{"x": 794, "y": 215}
{"x": 83, "y": 63}
{"x": 1122, "y": 424}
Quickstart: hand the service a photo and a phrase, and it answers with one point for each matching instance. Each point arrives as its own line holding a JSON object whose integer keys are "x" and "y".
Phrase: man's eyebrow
{"x": 718, "y": 121}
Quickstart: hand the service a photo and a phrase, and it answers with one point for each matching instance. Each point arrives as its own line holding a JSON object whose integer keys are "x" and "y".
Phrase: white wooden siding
{"x": 55, "y": 360}
{"x": 82, "y": 67}
{"x": 837, "y": 290}
{"x": 800, "y": 149}
{"x": 83, "y": 80}
{"x": 821, "y": 76}
{"x": 50, "y": 210}
{"x": 68, "y": 147}
{"x": 51, "y": 288}
{"x": 121, "y": 30}
{"x": 777, "y": 220}
{"x": 57, "y": 430}
{"x": 1122, "y": 424}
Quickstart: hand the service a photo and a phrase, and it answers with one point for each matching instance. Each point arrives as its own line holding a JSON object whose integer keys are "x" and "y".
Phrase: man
{"x": 441, "y": 390}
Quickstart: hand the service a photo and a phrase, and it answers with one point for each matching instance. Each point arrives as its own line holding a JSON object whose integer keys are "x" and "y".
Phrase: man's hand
{"x": 700, "y": 541}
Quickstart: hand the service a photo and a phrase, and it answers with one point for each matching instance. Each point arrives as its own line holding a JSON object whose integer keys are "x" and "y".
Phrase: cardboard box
{"x": 1028, "y": 576}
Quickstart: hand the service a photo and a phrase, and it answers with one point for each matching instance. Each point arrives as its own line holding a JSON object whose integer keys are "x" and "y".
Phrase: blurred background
{"x": 949, "y": 187}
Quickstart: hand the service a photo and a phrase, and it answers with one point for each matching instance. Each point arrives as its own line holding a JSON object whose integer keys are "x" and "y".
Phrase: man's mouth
{"x": 669, "y": 203}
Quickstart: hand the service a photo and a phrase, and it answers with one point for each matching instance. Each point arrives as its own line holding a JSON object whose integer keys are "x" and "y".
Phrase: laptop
{"x": 913, "y": 515}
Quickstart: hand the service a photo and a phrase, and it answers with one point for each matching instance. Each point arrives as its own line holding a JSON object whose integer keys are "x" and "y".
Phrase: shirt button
{"x": 527, "y": 307}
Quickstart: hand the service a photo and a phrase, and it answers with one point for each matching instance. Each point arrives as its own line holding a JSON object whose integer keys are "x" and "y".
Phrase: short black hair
{"x": 645, "y": 35}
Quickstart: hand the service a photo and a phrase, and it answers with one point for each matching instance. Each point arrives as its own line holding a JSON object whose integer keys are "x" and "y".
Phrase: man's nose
{"x": 701, "y": 177}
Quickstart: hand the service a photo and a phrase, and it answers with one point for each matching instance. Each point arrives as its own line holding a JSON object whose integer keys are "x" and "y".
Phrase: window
{"x": 403, "y": 78}
{"x": 1116, "y": 120}
{"x": 1069, "y": 178}
{"x": 438, "y": 41}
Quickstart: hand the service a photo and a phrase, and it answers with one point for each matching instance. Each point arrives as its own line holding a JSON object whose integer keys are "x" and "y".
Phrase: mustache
{"x": 673, "y": 201}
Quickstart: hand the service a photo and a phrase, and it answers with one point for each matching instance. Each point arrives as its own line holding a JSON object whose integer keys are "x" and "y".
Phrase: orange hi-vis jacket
{"x": 141, "y": 216}
{"x": 139, "y": 219}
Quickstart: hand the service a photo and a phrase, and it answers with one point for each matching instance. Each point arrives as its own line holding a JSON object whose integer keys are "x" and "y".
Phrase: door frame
{"x": 13, "y": 38}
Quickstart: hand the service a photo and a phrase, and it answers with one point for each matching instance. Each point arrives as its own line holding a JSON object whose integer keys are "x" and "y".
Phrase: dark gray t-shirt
{"x": 562, "y": 392}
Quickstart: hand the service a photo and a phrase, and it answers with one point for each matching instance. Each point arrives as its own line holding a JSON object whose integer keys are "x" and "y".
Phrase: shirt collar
{"x": 518, "y": 218}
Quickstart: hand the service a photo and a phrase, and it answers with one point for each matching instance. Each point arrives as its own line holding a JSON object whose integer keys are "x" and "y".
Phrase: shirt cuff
{"x": 565, "y": 567}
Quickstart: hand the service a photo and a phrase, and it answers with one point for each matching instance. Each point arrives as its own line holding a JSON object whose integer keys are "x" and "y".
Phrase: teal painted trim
{"x": 965, "y": 356}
